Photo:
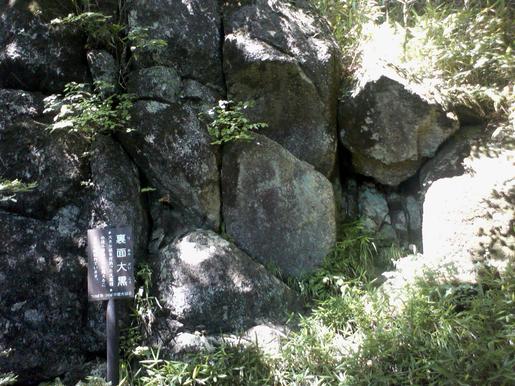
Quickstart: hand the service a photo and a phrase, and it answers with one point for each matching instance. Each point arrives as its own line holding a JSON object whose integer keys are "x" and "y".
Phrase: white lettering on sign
{"x": 110, "y": 263}
{"x": 122, "y": 281}
{"x": 121, "y": 267}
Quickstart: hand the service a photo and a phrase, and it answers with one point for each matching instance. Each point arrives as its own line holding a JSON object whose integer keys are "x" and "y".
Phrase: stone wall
{"x": 217, "y": 215}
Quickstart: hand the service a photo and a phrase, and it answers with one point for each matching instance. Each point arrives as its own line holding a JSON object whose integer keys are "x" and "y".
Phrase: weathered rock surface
{"x": 103, "y": 69}
{"x": 172, "y": 147}
{"x": 47, "y": 326}
{"x": 277, "y": 208}
{"x": 468, "y": 218}
{"x": 283, "y": 57}
{"x": 192, "y": 31}
{"x": 265, "y": 336}
{"x": 393, "y": 217}
{"x": 37, "y": 56}
{"x": 157, "y": 83}
{"x": 373, "y": 208}
{"x": 30, "y": 153}
{"x": 117, "y": 192}
{"x": 390, "y": 130}
{"x": 348, "y": 189}
{"x": 206, "y": 282}
{"x": 43, "y": 305}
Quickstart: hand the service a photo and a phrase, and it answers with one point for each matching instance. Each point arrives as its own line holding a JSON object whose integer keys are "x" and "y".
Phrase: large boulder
{"x": 282, "y": 56}
{"x": 206, "y": 283}
{"x": 468, "y": 217}
{"x": 44, "y": 322}
{"x": 391, "y": 130}
{"x": 117, "y": 198}
{"x": 48, "y": 327}
{"x": 30, "y": 153}
{"x": 35, "y": 55}
{"x": 173, "y": 149}
{"x": 192, "y": 32}
{"x": 278, "y": 209}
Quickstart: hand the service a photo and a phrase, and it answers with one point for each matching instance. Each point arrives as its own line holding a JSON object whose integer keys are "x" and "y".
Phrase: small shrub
{"x": 103, "y": 32}
{"x": 228, "y": 365}
{"x": 143, "y": 314}
{"x": 89, "y": 112}
{"x": 100, "y": 29}
{"x": 8, "y": 189}
{"x": 353, "y": 258}
{"x": 8, "y": 379}
{"x": 228, "y": 122}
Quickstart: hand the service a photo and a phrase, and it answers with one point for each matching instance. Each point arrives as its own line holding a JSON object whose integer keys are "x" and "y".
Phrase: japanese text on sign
{"x": 110, "y": 263}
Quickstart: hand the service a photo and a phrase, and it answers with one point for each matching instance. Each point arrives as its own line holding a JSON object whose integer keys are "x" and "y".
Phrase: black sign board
{"x": 110, "y": 263}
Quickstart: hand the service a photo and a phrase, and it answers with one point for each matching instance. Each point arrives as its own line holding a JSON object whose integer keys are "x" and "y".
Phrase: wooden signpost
{"x": 111, "y": 277}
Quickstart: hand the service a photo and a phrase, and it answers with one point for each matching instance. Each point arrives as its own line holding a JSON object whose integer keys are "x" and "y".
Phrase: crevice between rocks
{"x": 143, "y": 181}
{"x": 225, "y": 95}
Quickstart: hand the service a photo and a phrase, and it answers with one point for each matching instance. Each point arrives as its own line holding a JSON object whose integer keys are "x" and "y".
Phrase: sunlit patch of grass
{"x": 441, "y": 334}
{"x": 461, "y": 52}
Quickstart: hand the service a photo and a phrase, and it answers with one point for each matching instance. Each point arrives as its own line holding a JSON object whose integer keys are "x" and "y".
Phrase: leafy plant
{"x": 228, "y": 365}
{"x": 467, "y": 49}
{"x": 8, "y": 379}
{"x": 100, "y": 29}
{"x": 350, "y": 20}
{"x": 460, "y": 52}
{"x": 143, "y": 311}
{"x": 139, "y": 41}
{"x": 9, "y": 188}
{"x": 104, "y": 32}
{"x": 89, "y": 112}
{"x": 228, "y": 122}
{"x": 353, "y": 258}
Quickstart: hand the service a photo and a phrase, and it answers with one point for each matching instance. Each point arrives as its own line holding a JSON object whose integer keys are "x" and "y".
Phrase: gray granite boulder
{"x": 35, "y": 55}
{"x": 48, "y": 327}
{"x": 118, "y": 200}
{"x": 30, "y": 153}
{"x": 192, "y": 31}
{"x": 44, "y": 322}
{"x": 278, "y": 209}
{"x": 206, "y": 283}
{"x": 373, "y": 208}
{"x": 390, "y": 130}
{"x": 172, "y": 148}
{"x": 282, "y": 56}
